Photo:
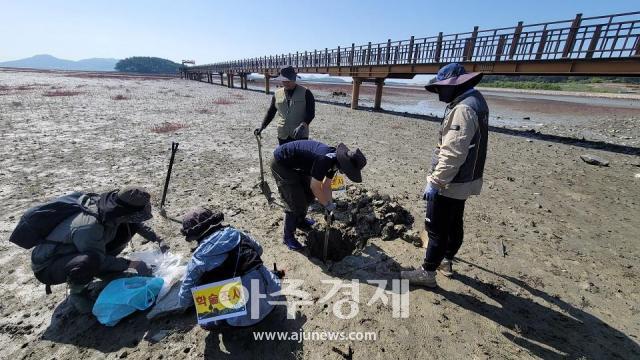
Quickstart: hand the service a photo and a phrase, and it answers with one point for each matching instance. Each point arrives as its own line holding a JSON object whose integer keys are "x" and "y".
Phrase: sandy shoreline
{"x": 568, "y": 286}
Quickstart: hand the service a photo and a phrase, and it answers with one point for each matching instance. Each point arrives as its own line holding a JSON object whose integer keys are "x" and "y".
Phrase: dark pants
{"x": 444, "y": 225}
{"x": 82, "y": 268}
{"x": 295, "y": 191}
{"x": 79, "y": 268}
{"x": 289, "y": 139}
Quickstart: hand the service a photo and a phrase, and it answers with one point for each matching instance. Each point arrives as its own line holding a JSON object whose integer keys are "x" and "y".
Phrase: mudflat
{"x": 548, "y": 269}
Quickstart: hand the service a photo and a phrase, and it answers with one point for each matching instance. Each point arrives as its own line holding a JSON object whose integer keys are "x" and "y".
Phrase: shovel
{"x": 264, "y": 187}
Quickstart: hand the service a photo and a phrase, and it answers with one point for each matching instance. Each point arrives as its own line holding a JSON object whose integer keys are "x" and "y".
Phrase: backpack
{"x": 39, "y": 221}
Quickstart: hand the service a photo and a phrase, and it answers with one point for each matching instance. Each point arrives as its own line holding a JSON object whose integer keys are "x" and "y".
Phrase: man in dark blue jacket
{"x": 303, "y": 170}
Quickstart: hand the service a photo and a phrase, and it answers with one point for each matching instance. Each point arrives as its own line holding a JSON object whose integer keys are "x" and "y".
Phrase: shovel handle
{"x": 326, "y": 237}
{"x": 259, "y": 139}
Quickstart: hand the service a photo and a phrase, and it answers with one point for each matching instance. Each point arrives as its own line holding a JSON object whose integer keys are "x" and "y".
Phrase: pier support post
{"x": 355, "y": 94}
{"x": 266, "y": 83}
{"x": 378, "y": 98}
{"x": 221, "y": 78}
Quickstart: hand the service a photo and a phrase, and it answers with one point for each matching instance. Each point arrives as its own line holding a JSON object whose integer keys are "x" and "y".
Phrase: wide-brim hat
{"x": 287, "y": 73}
{"x": 453, "y": 75}
{"x": 351, "y": 162}
{"x": 198, "y": 221}
{"x": 136, "y": 201}
{"x": 469, "y": 79}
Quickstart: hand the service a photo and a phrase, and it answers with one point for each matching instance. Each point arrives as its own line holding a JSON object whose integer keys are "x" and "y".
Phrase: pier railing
{"x": 602, "y": 37}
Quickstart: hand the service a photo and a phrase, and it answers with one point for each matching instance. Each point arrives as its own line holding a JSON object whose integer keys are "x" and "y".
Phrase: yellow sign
{"x": 337, "y": 183}
{"x": 220, "y": 300}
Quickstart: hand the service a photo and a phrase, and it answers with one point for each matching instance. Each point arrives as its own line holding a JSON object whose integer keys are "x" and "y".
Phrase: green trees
{"x": 147, "y": 65}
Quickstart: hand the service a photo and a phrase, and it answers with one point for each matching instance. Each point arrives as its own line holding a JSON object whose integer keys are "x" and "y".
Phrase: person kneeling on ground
{"x": 223, "y": 253}
{"x": 303, "y": 170}
{"x": 86, "y": 245}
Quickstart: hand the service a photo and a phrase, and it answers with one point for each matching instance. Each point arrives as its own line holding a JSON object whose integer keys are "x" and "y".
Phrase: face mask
{"x": 447, "y": 94}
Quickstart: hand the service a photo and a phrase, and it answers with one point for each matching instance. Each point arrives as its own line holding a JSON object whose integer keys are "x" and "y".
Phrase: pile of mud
{"x": 361, "y": 215}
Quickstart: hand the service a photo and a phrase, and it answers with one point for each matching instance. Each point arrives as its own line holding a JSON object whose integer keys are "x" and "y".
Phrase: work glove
{"x": 258, "y": 131}
{"x": 299, "y": 131}
{"x": 430, "y": 192}
{"x": 330, "y": 207}
{"x": 140, "y": 267}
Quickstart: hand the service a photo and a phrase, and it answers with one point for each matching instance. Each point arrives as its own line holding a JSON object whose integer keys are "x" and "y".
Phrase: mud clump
{"x": 360, "y": 215}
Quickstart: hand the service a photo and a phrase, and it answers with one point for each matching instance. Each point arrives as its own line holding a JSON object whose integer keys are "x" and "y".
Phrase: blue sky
{"x": 222, "y": 30}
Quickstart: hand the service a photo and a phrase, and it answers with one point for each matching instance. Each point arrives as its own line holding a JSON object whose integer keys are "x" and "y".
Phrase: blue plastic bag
{"x": 124, "y": 296}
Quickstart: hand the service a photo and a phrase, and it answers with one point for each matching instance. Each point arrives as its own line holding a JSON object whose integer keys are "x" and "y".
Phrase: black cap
{"x": 287, "y": 73}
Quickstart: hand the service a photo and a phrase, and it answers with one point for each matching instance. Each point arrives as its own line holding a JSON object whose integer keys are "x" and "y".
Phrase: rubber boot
{"x": 79, "y": 298}
{"x": 289, "y": 238}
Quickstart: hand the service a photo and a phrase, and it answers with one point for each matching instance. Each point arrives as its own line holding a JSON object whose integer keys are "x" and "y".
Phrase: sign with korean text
{"x": 220, "y": 300}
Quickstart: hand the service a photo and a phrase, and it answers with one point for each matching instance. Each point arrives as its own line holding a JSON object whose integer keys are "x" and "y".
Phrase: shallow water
{"x": 603, "y": 119}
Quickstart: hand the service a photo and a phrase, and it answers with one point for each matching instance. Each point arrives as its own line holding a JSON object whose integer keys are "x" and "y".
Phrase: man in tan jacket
{"x": 457, "y": 169}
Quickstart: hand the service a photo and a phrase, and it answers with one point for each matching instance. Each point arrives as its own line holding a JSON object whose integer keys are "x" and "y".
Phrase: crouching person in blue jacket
{"x": 224, "y": 252}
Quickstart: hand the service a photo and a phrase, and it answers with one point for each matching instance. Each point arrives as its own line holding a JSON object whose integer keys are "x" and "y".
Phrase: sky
{"x": 211, "y": 31}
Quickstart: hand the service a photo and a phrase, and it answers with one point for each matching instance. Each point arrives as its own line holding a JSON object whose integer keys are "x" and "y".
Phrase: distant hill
{"x": 49, "y": 62}
{"x": 148, "y": 65}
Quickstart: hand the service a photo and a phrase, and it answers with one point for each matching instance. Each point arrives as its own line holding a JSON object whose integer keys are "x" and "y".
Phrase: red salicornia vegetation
{"x": 62, "y": 93}
{"x": 222, "y": 101}
{"x": 167, "y": 127}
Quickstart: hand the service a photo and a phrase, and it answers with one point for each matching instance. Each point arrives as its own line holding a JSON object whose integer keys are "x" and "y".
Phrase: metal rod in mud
{"x": 327, "y": 232}
{"x": 174, "y": 149}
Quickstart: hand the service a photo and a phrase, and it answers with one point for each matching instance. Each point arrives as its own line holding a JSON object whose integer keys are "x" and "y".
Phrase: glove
{"x": 297, "y": 132}
{"x": 330, "y": 207}
{"x": 163, "y": 246}
{"x": 258, "y": 131}
{"x": 430, "y": 192}
{"x": 140, "y": 267}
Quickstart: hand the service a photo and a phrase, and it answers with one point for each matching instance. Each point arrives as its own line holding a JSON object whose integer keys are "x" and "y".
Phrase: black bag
{"x": 39, "y": 221}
